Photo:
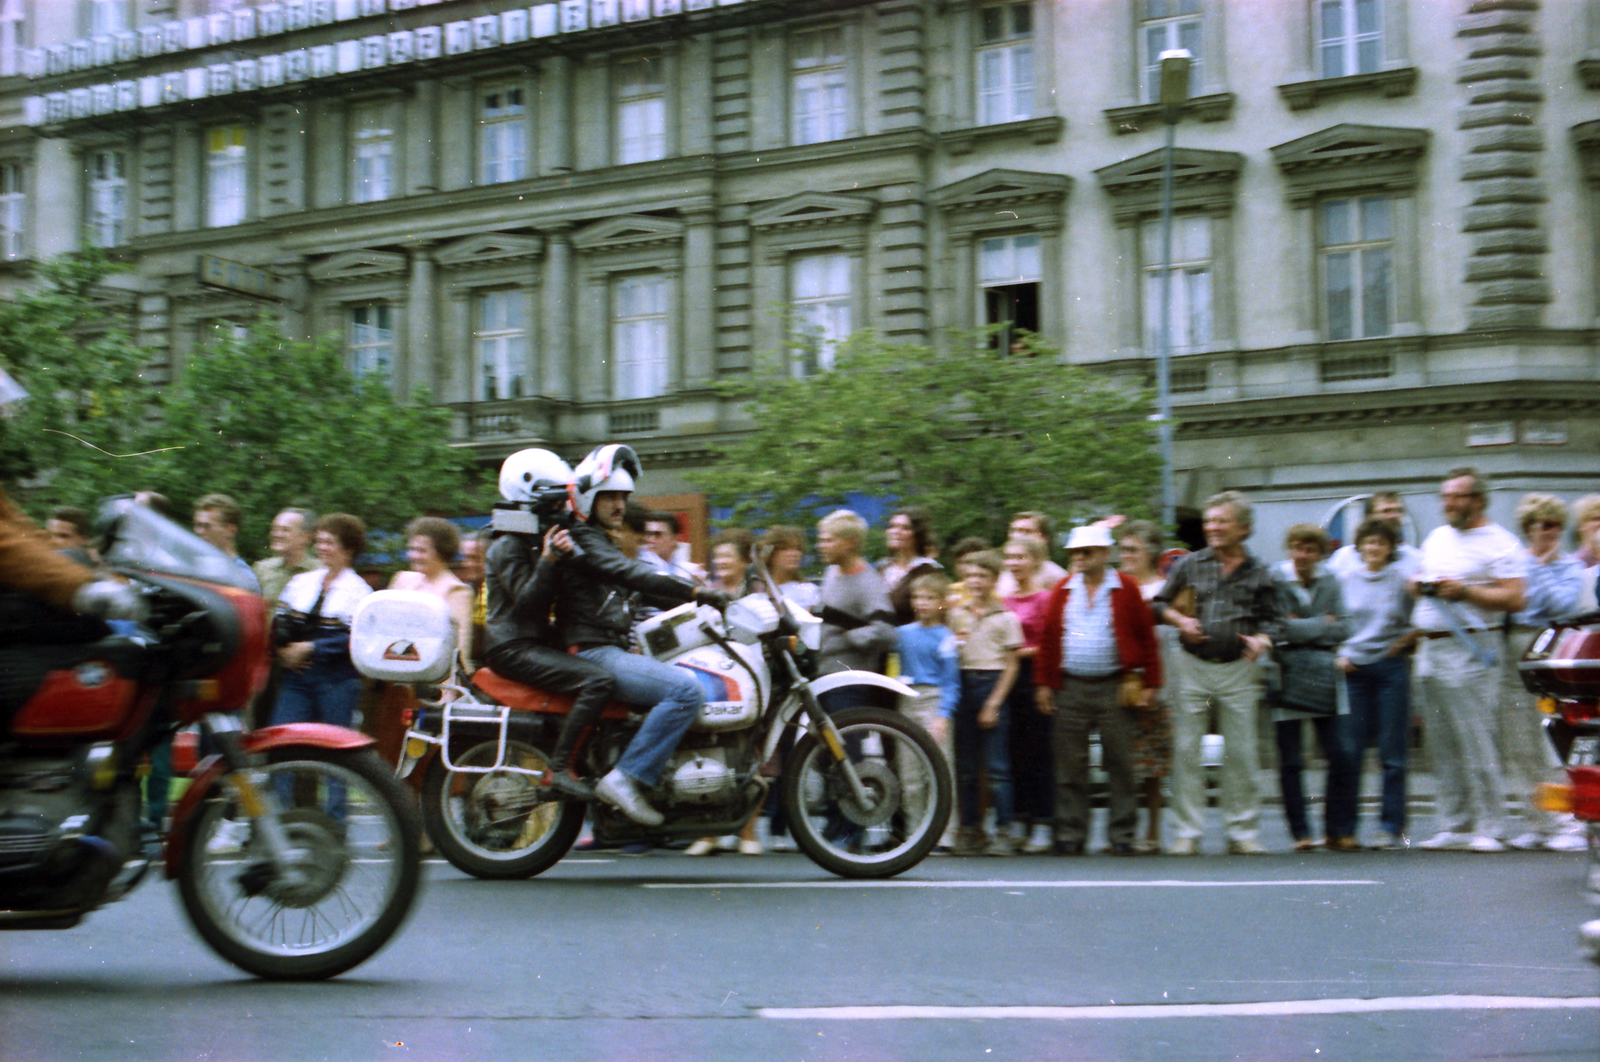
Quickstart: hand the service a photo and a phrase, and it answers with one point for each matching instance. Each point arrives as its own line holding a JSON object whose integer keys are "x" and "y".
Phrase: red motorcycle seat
{"x": 528, "y": 699}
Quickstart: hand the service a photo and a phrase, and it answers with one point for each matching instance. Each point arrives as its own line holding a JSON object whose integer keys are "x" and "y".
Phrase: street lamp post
{"x": 1174, "y": 94}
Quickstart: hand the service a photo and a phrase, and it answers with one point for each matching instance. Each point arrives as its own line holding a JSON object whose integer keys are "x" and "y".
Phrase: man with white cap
{"x": 1099, "y": 635}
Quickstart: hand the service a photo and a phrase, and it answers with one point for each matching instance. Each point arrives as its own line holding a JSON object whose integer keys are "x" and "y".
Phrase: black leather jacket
{"x": 592, "y": 590}
{"x": 521, "y": 587}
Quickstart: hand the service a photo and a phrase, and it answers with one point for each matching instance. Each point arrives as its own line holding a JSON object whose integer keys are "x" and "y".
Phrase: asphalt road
{"x": 1375, "y": 956}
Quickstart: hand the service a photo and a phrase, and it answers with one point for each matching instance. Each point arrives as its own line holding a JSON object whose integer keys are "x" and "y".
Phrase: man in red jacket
{"x": 1098, "y": 631}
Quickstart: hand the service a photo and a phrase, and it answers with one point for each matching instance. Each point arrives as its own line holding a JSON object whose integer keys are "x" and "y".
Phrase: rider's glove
{"x": 717, "y": 599}
{"x": 109, "y": 599}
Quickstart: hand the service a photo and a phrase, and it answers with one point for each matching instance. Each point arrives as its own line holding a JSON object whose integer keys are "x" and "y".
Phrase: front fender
{"x": 839, "y": 679}
{"x": 209, "y": 771}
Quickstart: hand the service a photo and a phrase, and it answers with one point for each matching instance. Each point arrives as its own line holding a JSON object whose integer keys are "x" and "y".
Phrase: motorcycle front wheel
{"x": 909, "y": 796}
{"x": 499, "y": 824}
{"x": 356, "y": 843}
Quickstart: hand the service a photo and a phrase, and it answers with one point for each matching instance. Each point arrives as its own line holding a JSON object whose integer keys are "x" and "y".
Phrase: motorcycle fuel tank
{"x": 733, "y": 698}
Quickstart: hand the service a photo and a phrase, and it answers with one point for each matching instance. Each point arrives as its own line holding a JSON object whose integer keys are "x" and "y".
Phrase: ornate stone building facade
{"x": 567, "y": 220}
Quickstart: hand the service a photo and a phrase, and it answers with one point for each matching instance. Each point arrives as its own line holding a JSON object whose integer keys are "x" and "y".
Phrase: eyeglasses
{"x": 1544, "y": 525}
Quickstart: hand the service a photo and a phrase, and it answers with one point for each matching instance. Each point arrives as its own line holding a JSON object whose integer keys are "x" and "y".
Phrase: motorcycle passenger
{"x": 593, "y": 617}
{"x": 521, "y": 583}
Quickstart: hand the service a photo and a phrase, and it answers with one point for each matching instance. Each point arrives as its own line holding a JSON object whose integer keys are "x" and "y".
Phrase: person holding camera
{"x": 312, "y": 629}
{"x": 1473, "y": 572}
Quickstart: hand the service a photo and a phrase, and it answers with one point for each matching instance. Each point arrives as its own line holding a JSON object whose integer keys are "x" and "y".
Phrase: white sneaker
{"x": 1528, "y": 842}
{"x": 1389, "y": 842}
{"x": 1568, "y": 842}
{"x": 1485, "y": 844}
{"x": 1445, "y": 839}
{"x": 622, "y": 793}
{"x": 231, "y": 836}
{"x": 1041, "y": 841}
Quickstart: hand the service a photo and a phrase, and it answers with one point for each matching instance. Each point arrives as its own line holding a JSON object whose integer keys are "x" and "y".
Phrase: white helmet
{"x": 528, "y": 472}
{"x": 611, "y": 467}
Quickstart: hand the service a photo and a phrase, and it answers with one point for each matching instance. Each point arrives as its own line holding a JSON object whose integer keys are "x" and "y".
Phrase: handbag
{"x": 1310, "y": 680}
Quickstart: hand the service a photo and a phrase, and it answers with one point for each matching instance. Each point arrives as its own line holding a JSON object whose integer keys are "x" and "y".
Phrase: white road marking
{"x": 1002, "y": 884}
{"x": 1277, "y": 1009}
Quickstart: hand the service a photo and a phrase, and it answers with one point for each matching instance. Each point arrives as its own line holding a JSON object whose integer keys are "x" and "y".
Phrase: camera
{"x": 548, "y": 509}
{"x": 1427, "y": 589}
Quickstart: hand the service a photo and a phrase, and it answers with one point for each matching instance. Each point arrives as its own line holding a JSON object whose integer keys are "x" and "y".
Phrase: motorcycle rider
{"x": 593, "y": 619}
{"x": 520, "y": 581}
{"x": 31, "y": 565}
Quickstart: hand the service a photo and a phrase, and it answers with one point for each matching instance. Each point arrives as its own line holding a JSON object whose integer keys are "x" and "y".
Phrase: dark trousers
{"x": 1085, "y": 705}
{"x": 1339, "y": 800}
{"x": 533, "y": 663}
{"x": 1032, "y": 758}
{"x": 989, "y": 746}
{"x": 1380, "y": 714}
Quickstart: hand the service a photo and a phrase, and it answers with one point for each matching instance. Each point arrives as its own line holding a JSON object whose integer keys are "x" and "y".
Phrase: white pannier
{"x": 403, "y": 636}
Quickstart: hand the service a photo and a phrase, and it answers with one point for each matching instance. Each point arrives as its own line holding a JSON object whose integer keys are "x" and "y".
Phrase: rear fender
{"x": 209, "y": 771}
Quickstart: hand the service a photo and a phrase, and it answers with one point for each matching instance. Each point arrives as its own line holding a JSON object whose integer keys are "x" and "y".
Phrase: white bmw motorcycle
{"x": 866, "y": 790}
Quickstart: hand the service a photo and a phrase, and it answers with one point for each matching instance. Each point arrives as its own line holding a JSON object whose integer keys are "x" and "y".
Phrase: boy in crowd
{"x": 930, "y": 662}
{"x": 990, "y": 636}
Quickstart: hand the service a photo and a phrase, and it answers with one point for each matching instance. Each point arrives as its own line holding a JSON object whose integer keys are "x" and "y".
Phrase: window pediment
{"x": 995, "y": 188}
{"x": 1349, "y": 156}
{"x": 489, "y": 247}
{"x": 358, "y": 265}
{"x": 628, "y": 230}
{"x": 1586, "y": 139}
{"x": 1201, "y": 180}
{"x": 809, "y": 209}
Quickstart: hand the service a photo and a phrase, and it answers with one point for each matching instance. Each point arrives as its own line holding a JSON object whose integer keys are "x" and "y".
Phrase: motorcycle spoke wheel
{"x": 908, "y": 788}
{"x": 500, "y": 824}
{"x": 355, "y": 838}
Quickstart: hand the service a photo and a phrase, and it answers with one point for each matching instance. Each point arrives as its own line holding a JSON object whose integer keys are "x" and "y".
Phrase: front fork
{"x": 822, "y": 725}
{"x": 245, "y": 780}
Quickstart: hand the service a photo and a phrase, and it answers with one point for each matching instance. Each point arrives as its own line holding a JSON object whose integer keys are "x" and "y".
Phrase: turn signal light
{"x": 1554, "y": 798}
{"x": 1548, "y": 706}
{"x": 415, "y": 748}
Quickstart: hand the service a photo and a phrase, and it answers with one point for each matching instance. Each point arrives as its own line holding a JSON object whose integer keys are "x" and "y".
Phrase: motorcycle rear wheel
{"x": 900, "y": 765}
{"x": 360, "y": 827}
{"x": 499, "y": 825}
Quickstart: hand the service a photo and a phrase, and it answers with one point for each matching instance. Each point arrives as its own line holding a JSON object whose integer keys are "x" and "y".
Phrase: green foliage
{"x": 76, "y": 437}
{"x": 272, "y": 422}
{"x": 973, "y": 435}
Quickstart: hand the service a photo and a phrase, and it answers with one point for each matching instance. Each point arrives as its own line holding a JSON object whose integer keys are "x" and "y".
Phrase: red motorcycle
{"x": 295, "y": 850}
{"x": 1562, "y": 667}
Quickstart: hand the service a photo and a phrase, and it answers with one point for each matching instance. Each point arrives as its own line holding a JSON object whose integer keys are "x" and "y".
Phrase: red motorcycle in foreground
{"x": 1563, "y": 668}
{"x": 295, "y": 850}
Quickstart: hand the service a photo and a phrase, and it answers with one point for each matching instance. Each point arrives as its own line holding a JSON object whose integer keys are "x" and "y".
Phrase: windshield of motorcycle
{"x": 136, "y": 536}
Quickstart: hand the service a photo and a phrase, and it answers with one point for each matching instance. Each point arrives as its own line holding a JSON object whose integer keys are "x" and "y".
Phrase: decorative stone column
{"x": 557, "y": 378}
{"x": 422, "y": 363}
{"x": 1505, "y": 276}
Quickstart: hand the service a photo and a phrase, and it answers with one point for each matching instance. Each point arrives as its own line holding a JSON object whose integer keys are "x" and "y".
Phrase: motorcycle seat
{"x": 529, "y": 699}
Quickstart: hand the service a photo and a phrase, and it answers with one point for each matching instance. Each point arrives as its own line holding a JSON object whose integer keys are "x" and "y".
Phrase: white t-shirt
{"x": 1478, "y": 557}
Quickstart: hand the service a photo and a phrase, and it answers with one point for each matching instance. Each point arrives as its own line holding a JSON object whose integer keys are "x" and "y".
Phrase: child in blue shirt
{"x": 930, "y": 663}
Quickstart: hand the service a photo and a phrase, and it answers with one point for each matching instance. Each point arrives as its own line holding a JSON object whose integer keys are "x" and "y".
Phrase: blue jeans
{"x": 317, "y": 695}
{"x": 1380, "y": 713}
{"x": 975, "y": 744}
{"x": 676, "y": 696}
{"x": 1339, "y": 801}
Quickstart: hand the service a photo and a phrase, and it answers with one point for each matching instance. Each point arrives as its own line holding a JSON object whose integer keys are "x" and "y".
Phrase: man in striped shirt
{"x": 1225, "y": 636}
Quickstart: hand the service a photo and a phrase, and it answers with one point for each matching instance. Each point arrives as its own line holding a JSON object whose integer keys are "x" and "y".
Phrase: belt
{"x": 1108, "y": 677}
{"x": 1446, "y": 634}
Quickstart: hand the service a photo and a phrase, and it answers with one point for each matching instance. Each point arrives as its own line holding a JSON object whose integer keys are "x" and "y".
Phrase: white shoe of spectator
{"x": 1485, "y": 844}
{"x": 1447, "y": 840}
{"x": 1531, "y": 841}
{"x": 1568, "y": 841}
{"x": 1388, "y": 842}
{"x": 231, "y": 836}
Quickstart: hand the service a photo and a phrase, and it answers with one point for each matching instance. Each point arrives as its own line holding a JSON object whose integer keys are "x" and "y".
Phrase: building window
{"x": 218, "y": 333}
{"x": 108, "y": 198}
{"x": 370, "y": 341}
{"x": 641, "y": 111}
{"x": 819, "y": 90}
{"x": 819, "y": 298}
{"x": 1165, "y": 25}
{"x": 227, "y": 190}
{"x": 106, "y": 17}
{"x": 13, "y": 209}
{"x": 502, "y": 134}
{"x": 371, "y": 153}
{"x": 1356, "y": 241}
{"x": 1191, "y": 282}
{"x": 11, "y": 19}
{"x": 1005, "y": 63}
{"x": 500, "y": 344}
{"x": 639, "y": 339}
{"x": 1349, "y": 37}
{"x": 1009, "y": 271}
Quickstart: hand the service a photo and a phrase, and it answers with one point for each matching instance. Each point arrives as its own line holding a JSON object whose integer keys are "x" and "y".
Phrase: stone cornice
{"x": 1586, "y": 140}
{"x": 1201, "y": 180}
{"x": 1216, "y": 107}
{"x": 1045, "y": 130}
{"x": 1350, "y": 156}
{"x": 1303, "y": 95}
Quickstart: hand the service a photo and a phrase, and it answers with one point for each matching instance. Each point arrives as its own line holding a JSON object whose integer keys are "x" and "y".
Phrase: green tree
{"x": 273, "y": 422}
{"x": 77, "y": 436}
{"x": 974, "y": 435}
